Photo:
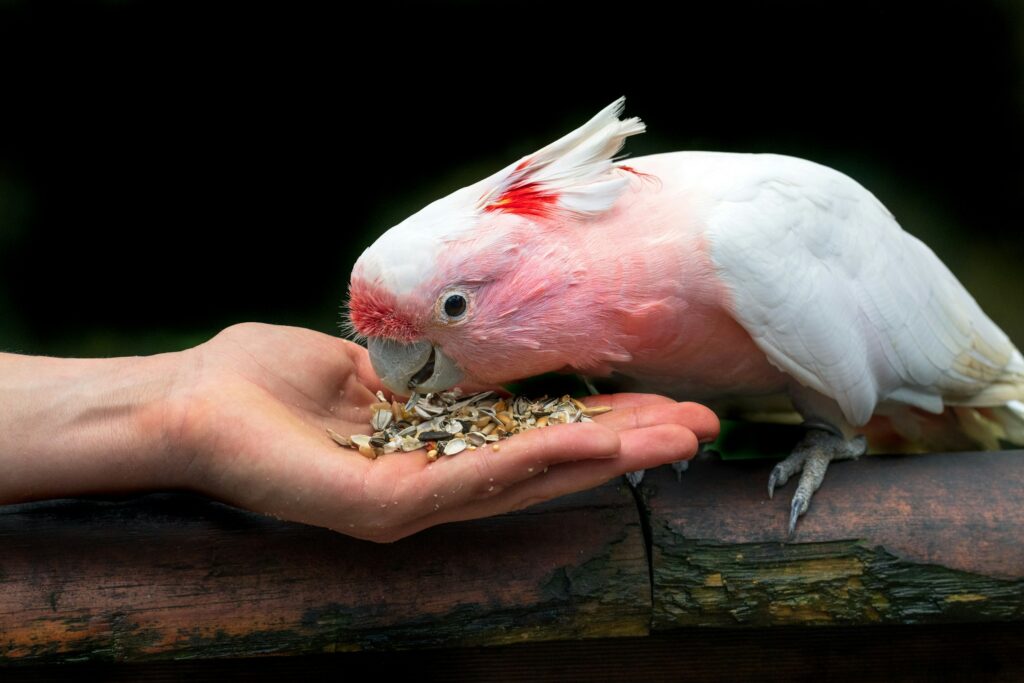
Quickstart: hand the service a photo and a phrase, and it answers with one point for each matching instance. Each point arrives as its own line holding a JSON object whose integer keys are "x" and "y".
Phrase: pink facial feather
{"x": 374, "y": 312}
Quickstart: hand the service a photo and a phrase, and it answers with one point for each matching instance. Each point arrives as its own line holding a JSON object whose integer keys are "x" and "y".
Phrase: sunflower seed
{"x": 381, "y": 418}
{"x": 591, "y": 411}
{"x": 433, "y": 436}
{"x": 454, "y": 446}
{"x": 450, "y": 423}
{"x": 359, "y": 440}
{"x": 409, "y": 443}
{"x": 338, "y": 438}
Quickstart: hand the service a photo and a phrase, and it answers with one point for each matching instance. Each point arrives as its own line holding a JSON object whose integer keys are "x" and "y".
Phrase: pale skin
{"x": 242, "y": 418}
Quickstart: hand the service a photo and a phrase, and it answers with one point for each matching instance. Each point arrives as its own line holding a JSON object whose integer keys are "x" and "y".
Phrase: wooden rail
{"x": 895, "y": 539}
{"x": 937, "y": 538}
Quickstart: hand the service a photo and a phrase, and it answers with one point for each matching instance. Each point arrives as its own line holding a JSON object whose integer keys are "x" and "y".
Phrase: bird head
{"x": 473, "y": 288}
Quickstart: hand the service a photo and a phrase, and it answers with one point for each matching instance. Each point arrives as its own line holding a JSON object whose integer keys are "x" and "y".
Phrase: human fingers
{"x": 458, "y": 480}
{"x": 521, "y": 457}
{"x": 372, "y": 499}
{"x": 625, "y": 400}
{"x": 641, "y": 449}
{"x": 695, "y": 417}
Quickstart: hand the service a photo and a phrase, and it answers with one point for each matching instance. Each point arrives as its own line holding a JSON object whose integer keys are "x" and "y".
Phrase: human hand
{"x": 248, "y": 424}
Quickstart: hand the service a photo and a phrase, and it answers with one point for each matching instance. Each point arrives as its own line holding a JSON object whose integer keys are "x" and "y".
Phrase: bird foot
{"x": 679, "y": 468}
{"x": 811, "y": 457}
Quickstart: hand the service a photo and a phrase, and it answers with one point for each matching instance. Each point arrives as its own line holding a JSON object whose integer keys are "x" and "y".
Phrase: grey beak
{"x": 416, "y": 367}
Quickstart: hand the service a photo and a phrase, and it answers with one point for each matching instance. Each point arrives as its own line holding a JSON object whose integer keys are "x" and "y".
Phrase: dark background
{"x": 167, "y": 169}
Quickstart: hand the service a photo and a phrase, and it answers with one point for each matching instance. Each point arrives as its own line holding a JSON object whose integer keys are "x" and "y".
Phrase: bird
{"x": 762, "y": 285}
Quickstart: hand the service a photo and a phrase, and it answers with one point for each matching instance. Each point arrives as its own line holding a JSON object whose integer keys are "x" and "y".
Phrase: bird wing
{"x": 841, "y": 298}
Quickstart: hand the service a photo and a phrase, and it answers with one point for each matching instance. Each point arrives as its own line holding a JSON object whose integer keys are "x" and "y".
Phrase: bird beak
{"x": 417, "y": 367}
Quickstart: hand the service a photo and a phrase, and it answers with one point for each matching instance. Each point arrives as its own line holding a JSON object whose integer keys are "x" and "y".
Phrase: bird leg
{"x": 812, "y": 456}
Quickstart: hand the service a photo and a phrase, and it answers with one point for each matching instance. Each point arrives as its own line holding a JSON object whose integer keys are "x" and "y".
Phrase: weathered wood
{"x": 911, "y": 539}
{"x": 176, "y": 576}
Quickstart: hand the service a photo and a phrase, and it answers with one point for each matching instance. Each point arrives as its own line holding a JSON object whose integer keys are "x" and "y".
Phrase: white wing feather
{"x": 840, "y": 297}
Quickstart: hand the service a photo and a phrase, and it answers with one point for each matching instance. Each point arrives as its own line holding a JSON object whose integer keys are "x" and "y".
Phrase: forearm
{"x": 78, "y": 426}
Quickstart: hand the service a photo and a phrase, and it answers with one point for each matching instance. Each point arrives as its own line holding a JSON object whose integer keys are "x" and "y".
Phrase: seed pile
{"x": 447, "y": 423}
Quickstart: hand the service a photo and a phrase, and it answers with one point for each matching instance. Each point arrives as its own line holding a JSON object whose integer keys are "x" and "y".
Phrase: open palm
{"x": 249, "y": 427}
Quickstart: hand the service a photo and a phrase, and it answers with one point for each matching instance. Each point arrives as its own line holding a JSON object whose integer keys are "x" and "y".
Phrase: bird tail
{"x": 996, "y": 416}
{"x": 1011, "y": 419}
{"x": 957, "y": 428}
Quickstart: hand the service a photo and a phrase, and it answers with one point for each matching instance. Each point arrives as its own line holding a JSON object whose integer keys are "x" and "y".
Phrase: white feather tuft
{"x": 1011, "y": 417}
{"x": 576, "y": 171}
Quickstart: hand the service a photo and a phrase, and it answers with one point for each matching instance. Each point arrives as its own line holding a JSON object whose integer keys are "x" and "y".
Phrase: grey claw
{"x": 811, "y": 457}
{"x": 679, "y": 468}
{"x": 776, "y": 477}
{"x": 798, "y": 507}
{"x": 634, "y": 478}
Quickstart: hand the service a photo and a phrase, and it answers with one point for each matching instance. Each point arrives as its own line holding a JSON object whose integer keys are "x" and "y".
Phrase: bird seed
{"x": 447, "y": 422}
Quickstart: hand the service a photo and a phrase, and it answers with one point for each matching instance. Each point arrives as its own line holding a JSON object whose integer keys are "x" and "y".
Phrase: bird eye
{"x": 455, "y": 306}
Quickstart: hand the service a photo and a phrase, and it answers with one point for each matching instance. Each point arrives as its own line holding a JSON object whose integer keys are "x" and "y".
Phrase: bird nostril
{"x": 424, "y": 373}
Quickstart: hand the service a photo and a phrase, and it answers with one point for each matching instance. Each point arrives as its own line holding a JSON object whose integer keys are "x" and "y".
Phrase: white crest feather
{"x": 576, "y": 169}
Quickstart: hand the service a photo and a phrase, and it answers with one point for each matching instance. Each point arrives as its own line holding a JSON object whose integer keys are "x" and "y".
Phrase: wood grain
{"x": 178, "y": 576}
{"x": 910, "y": 539}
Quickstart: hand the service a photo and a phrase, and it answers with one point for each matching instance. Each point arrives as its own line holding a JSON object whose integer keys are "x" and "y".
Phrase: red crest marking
{"x": 526, "y": 200}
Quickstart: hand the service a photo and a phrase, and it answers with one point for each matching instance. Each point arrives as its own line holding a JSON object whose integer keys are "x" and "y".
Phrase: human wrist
{"x": 80, "y": 426}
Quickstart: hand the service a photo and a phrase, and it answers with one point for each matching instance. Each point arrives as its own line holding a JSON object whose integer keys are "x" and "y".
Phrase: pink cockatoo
{"x": 756, "y": 283}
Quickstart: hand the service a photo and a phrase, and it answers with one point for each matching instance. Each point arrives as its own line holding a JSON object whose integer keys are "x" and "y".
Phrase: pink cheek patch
{"x": 374, "y": 313}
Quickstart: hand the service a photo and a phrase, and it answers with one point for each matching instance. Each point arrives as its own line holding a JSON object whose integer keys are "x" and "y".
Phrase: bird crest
{"x": 575, "y": 175}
